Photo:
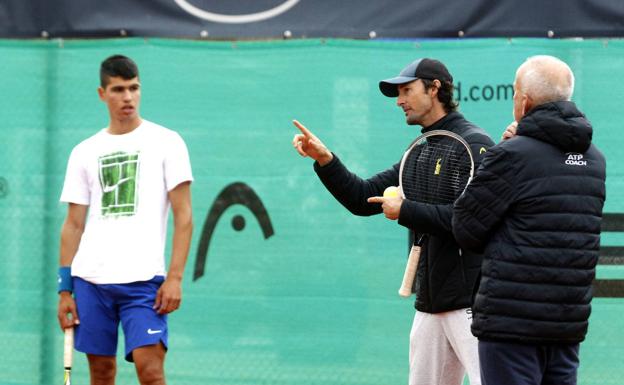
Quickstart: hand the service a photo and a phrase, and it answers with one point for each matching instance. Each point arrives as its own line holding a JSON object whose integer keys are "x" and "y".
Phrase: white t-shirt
{"x": 124, "y": 179}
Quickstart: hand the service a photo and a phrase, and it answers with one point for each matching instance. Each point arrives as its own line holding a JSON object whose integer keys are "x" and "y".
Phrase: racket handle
{"x": 68, "y": 348}
{"x": 410, "y": 272}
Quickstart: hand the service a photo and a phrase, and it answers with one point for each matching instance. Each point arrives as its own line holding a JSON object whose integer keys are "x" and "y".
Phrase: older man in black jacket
{"x": 442, "y": 349}
{"x": 534, "y": 209}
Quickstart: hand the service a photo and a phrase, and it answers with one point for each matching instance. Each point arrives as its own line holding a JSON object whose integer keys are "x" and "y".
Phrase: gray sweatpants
{"x": 442, "y": 349}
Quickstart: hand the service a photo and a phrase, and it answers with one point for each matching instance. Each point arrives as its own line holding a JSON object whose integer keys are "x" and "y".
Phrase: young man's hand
{"x": 169, "y": 296}
{"x": 67, "y": 306}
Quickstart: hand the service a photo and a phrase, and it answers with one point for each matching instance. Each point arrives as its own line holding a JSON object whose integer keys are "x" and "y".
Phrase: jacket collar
{"x": 560, "y": 124}
{"x": 447, "y": 122}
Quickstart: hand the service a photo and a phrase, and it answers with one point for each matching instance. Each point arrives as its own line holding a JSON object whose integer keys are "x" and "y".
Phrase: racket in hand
{"x": 435, "y": 169}
{"x": 68, "y": 351}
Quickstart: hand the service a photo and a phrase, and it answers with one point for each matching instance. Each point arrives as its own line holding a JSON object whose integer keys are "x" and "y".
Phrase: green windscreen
{"x": 283, "y": 286}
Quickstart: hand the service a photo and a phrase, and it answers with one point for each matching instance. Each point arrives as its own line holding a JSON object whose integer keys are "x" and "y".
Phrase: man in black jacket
{"x": 441, "y": 346}
{"x": 534, "y": 210}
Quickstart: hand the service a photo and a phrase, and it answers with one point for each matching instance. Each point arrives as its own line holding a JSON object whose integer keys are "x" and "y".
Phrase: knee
{"x": 151, "y": 372}
{"x": 102, "y": 371}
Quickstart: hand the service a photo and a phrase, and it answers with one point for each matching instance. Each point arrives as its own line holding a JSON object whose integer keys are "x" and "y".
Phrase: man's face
{"x": 122, "y": 98}
{"x": 416, "y": 102}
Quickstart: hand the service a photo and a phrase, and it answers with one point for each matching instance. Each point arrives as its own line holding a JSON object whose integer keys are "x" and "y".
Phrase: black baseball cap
{"x": 418, "y": 69}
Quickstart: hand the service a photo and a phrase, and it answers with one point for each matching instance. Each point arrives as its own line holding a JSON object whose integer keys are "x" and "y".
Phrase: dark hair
{"x": 117, "y": 66}
{"x": 445, "y": 94}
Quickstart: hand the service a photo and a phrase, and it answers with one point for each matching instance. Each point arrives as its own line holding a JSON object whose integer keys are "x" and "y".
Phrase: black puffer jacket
{"x": 535, "y": 208}
{"x": 445, "y": 280}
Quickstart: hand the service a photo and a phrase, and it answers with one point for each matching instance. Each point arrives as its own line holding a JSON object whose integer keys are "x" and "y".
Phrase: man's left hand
{"x": 169, "y": 296}
{"x": 391, "y": 206}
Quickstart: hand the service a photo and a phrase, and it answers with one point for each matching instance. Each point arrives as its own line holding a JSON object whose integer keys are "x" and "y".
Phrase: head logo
{"x": 236, "y": 19}
{"x": 574, "y": 159}
{"x": 235, "y": 193}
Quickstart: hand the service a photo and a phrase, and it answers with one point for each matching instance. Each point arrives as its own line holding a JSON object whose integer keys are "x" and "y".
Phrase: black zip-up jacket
{"x": 535, "y": 208}
{"x": 445, "y": 279}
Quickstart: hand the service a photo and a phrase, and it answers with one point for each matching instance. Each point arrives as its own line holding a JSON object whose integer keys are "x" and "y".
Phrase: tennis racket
{"x": 435, "y": 169}
{"x": 68, "y": 351}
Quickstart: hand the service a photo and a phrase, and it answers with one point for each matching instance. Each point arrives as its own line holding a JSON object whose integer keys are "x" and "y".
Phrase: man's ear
{"x": 436, "y": 86}
{"x": 100, "y": 91}
{"x": 527, "y": 104}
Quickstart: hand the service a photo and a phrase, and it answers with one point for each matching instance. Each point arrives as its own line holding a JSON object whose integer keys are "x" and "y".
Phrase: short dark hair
{"x": 117, "y": 66}
{"x": 445, "y": 94}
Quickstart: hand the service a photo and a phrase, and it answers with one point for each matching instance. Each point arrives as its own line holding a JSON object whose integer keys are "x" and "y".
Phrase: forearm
{"x": 180, "y": 249}
{"x": 183, "y": 230}
{"x": 180, "y": 198}
{"x": 70, "y": 240}
{"x": 71, "y": 233}
{"x": 426, "y": 218}
{"x": 351, "y": 190}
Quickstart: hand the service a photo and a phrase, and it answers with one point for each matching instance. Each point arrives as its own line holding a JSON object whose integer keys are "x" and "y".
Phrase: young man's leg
{"x": 466, "y": 346}
{"x": 96, "y": 335}
{"x": 432, "y": 360}
{"x": 149, "y": 363}
{"x": 145, "y": 331}
{"x": 102, "y": 369}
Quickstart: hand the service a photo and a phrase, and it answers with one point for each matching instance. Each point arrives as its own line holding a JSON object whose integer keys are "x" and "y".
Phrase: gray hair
{"x": 546, "y": 79}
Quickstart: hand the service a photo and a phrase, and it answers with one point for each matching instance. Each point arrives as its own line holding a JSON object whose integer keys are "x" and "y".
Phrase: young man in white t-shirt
{"x": 119, "y": 186}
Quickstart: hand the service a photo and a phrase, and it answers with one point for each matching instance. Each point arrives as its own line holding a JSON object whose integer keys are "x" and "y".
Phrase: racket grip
{"x": 410, "y": 272}
{"x": 68, "y": 347}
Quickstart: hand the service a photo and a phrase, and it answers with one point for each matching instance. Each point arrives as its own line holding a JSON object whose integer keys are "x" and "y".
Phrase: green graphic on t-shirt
{"x": 119, "y": 181}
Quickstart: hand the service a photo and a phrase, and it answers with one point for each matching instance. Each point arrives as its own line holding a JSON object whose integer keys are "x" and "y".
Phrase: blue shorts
{"x": 102, "y": 307}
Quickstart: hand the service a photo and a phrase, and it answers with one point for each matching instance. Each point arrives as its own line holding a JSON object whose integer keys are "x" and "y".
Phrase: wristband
{"x": 64, "y": 279}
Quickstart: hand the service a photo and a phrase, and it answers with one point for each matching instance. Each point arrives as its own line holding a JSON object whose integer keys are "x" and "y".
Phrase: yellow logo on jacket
{"x": 438, "y": 167}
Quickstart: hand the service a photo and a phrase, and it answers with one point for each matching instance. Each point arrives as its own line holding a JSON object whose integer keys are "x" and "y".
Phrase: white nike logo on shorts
{"x": 150, "y": 331}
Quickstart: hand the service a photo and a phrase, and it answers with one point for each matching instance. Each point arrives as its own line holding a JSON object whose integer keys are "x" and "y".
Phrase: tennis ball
{"x": 391, "y": 192}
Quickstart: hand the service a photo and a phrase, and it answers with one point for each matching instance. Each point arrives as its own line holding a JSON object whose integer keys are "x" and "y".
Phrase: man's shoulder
{"x": 523, "y": 149}
{"x": 593, "y": 149}
{"x": 470, "y": 131}
{"x": 475, "y": 134}
{"x": 156, "y": 129}
{"x": 86, "y": 144}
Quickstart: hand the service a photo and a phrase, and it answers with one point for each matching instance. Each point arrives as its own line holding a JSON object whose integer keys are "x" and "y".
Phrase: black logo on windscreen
{"x": 233, "y": 194}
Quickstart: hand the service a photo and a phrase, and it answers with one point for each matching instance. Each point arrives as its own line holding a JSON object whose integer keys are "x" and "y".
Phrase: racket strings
{"x": 436, "y": 172}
